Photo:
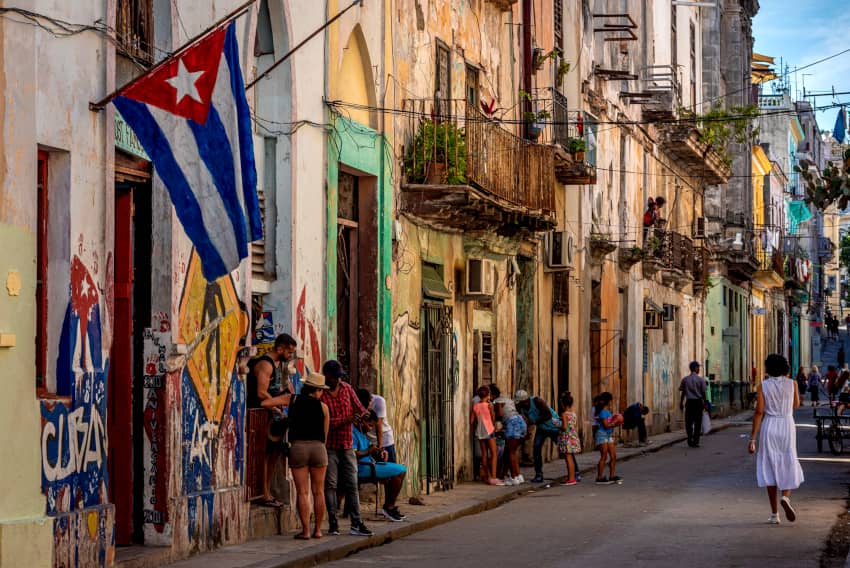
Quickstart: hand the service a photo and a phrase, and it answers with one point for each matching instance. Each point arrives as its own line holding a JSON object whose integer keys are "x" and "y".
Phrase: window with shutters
{"x": 263, "y": 250}
{"x": 693, "y": 62}
{"x": 561, "y": 293}
{"x": 674, "y": 56}
{"x": 472, "y": 96}
{"x": 442, "y": 76}
{"x": 134, "y": 29}
{"x": 558, "y": 9}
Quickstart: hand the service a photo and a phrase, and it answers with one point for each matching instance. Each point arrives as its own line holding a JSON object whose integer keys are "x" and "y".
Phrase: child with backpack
{"x": 569, "y": 443}
{"x": 604, "y": 439}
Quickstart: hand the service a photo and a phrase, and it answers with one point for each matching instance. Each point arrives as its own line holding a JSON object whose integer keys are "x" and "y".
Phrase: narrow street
{"x": 677, "y": 507}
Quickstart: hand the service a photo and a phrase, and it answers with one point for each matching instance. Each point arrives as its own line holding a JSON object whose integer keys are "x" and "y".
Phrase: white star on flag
{"x": 184, "y": 82}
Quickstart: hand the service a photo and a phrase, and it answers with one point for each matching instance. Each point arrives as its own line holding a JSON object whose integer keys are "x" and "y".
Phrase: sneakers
{"x": 333, "y": 529}
{"x": 604, "y": 481}
{"x": 360, "y": 529}
{"x": 567, "y": 482}
{"x": 773, "y": 520}
{"x": 537, "y": 479}
{"x": 790, "y": 513}
{"x": 519, "y": 480}
{"x": 392, "y": 514}
{"x": 617, "y": 479}
{"x": 495, "y": 481}
{"x": 509, "y": 480}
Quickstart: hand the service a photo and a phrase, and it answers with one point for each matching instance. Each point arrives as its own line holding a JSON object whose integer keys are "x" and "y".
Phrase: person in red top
{"x": 344, "y": 409}
{"x": 831, "y": 381}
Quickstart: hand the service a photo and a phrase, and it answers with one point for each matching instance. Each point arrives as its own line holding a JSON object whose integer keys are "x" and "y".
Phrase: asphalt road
{"x": 677, "y": 507}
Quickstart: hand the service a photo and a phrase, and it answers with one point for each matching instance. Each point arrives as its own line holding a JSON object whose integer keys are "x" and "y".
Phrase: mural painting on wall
{"x": 73, "y": 435}
{"x": 73, "y": 431}
{"x": 405, "y": 394}
{"x": 155, "y": 442}
{"x": 212, "y": 324}
{"x": 305, "y": 333}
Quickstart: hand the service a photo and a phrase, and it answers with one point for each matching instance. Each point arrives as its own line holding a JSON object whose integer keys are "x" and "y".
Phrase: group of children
{"x": 490, "y": 408}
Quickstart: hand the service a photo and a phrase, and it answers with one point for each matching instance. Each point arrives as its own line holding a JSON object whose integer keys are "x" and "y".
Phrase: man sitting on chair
{"x": 390, "y": 475}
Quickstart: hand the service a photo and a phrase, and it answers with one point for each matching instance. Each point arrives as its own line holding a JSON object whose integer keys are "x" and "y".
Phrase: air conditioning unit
{"x": 480, "y": 277}
{"x": 560, "y": 247}
{"x": 651, "y": 319}
{"x": 699, "y": 228}
{"x": 669, "y": 312}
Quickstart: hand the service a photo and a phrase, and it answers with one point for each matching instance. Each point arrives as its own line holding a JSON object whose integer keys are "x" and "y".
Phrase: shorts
{"x": 603, "y": 437}
{"x": 515, "y": 428}
{"x": 307, "y": 453}
{"x": 383, "y": 470}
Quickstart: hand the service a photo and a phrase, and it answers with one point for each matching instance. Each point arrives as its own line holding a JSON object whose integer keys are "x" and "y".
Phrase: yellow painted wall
{"x": 354, "y": 83}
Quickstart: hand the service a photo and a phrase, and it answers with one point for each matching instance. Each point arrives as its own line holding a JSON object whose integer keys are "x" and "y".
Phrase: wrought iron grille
{"x": 438, "y": 395}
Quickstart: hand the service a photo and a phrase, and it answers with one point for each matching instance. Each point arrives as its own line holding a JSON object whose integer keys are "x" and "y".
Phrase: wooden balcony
{"x": 463, "y": 171}
{"x": 771, "y": 271}
{"x": 682, "y": 142}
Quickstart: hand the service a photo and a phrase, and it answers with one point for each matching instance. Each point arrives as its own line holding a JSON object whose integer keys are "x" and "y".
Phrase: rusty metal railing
{"x": 454, "y": 143}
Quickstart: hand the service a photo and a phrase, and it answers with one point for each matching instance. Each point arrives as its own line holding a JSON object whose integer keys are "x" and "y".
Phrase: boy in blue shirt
{"x": 390, "y": 475}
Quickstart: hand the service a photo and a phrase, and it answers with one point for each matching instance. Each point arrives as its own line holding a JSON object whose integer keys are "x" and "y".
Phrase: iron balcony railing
{"x": 452, "y": 142}
{"x": 671, "y": 250}
{"x": 770, "y": 260}
{"x": 562, "y": 126}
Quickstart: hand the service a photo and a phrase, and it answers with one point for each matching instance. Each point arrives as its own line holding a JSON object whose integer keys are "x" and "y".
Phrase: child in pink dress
{"x": 569, "y": 443}
{"x": 483, "y": 417}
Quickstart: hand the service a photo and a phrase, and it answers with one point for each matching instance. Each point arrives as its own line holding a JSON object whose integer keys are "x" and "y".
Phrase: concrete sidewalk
{"x": 466, "y": 499}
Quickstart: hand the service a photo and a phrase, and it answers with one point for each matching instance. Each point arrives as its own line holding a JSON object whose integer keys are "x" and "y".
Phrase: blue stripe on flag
{"x": 214, "y": 149}
{"x": 246, "y": 135}
{"x": 155, "y": 143}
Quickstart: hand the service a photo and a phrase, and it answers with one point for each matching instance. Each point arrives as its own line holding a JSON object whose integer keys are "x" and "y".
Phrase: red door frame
{"x": 120, "y": 424}
{"x": 41, "y": 276}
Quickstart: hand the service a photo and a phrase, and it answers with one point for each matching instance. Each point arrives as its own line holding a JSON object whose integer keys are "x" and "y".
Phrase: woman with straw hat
{"x": 308, "y": 459}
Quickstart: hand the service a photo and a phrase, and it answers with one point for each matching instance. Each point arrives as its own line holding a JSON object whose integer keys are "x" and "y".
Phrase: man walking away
{"x": 692, "y": 401}
{"x": 266, "y": 389}
{"x": 633, "y": 417}
{"x": 344, "y": 410}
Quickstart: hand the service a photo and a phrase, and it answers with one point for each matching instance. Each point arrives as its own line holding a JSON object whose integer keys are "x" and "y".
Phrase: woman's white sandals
{"x": 790, "y": 513}
{"x": 773, "y": 520}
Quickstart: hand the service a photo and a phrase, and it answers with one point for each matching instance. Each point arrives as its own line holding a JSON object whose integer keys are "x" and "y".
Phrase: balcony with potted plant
{"x": 570, "y": 133}
{"x": 601, "y": 246}
{"x": 463, "y": 171}
{"x": 629, "y": 256}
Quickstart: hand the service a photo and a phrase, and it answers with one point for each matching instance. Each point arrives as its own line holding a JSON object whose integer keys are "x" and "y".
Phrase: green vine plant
{"x": 720, "y": 127}
{"x": 831, "y": 187}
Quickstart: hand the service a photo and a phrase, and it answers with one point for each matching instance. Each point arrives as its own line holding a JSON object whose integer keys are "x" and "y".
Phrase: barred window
{"x": 134, "y": 29}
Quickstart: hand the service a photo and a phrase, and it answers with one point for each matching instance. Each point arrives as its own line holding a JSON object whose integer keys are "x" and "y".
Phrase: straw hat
{"x": 316, "y": 381}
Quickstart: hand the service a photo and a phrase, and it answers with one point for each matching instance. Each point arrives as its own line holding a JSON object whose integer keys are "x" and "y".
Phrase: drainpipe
{"x": 526, "y": 56}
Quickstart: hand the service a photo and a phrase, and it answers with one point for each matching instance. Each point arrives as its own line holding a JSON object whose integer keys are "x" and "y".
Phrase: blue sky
{"x": 803, "y": 31}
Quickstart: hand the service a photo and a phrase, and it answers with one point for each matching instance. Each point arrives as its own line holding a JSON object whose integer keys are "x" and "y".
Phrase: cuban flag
{"x": 192, "y": 118}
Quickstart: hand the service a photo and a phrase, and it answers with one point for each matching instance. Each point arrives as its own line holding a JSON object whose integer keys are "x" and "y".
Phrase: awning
{"x": 649, "y": 304}
{"x": 432, "y": 284}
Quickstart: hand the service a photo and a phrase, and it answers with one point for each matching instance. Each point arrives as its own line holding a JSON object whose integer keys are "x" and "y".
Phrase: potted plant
{"x": 437, "y": 154}
{"x": 577, "y": 147}
{"x": 538, "y": 58}
{"x": 601, "y": 246}
{"x": 630, "y": 256}
{"x": 534, "y": 122}
{"x": 563, "y": 69}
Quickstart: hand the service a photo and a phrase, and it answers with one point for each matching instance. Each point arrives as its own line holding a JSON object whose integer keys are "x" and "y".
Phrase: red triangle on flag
{"x": 184, "y": 86}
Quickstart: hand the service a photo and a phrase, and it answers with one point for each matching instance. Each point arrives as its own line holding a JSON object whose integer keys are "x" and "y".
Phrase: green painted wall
{"x": 361, "y": 148}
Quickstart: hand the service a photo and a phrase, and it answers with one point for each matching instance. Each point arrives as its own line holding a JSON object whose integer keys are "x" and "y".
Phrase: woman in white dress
{"x": 776, "y": 463}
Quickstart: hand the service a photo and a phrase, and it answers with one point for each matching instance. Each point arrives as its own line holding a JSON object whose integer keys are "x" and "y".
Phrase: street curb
{"x": 308, "y": 558}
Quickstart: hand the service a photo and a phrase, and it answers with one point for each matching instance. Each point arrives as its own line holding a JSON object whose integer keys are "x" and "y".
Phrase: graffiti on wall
{"x": 73, "y": 434}
{"x": 212, "y": 324}
{"x": 155, "y": 445}
{"x": 405, "y": 394}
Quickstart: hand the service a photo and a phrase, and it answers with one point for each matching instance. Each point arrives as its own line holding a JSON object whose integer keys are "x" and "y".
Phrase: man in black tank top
{"x": 267, "y": 389}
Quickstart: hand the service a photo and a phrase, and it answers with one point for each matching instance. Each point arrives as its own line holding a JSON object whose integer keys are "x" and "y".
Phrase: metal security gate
{"x": 437, "y": 394}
